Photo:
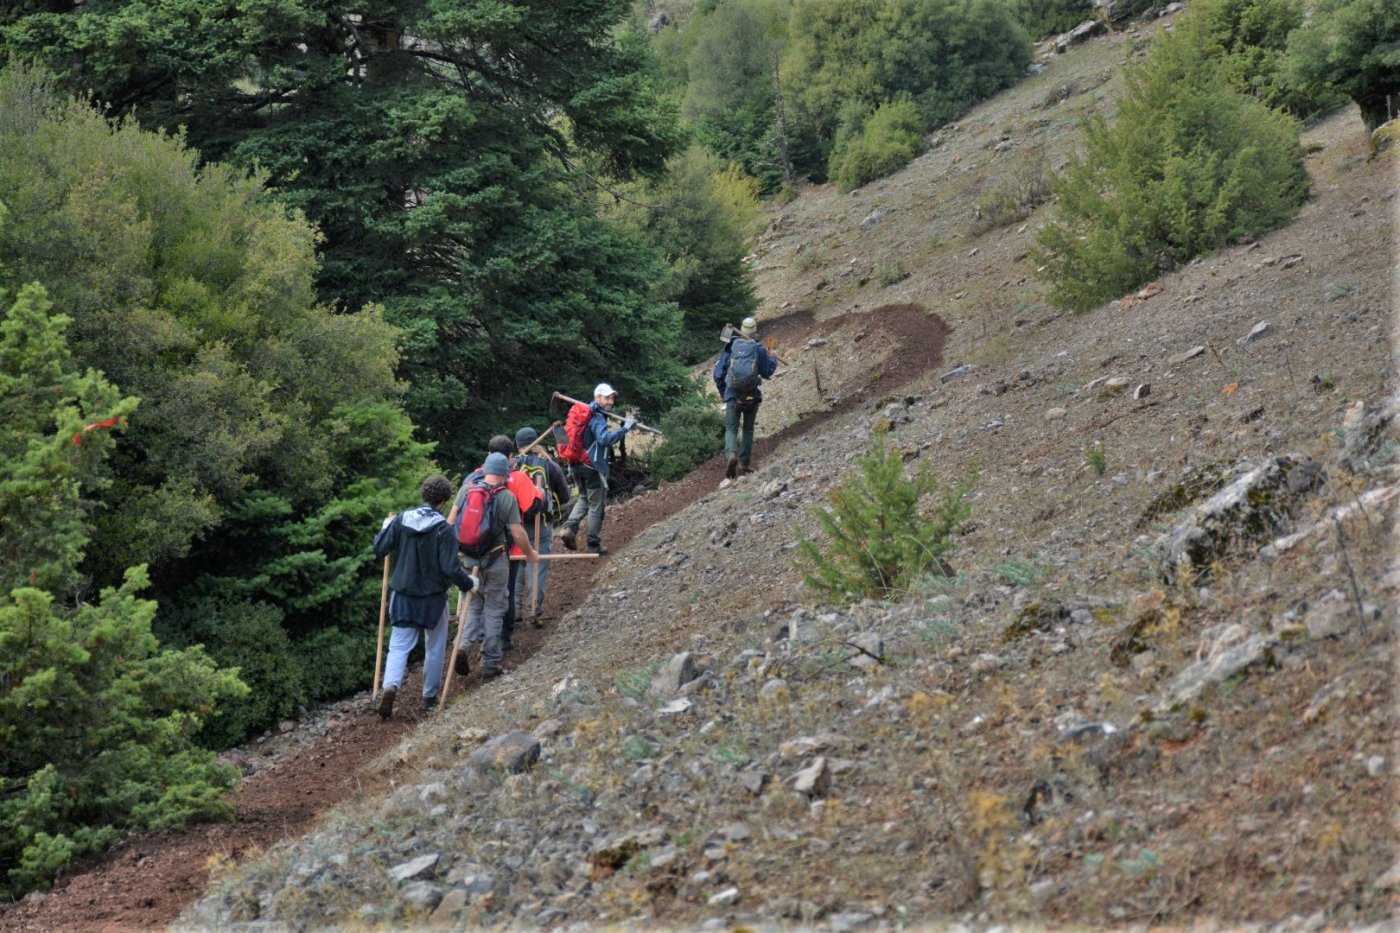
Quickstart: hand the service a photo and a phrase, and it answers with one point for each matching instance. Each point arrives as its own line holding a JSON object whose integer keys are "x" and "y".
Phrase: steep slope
{"x": 1066, "y": 732}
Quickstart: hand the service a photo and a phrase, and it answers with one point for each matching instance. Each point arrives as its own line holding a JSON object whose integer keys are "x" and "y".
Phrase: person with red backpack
{"x": 742, "y": 365}
{"x": 487, "y": 522}
{"x": 586, "y": 452}
{"x": 425, "y": 565}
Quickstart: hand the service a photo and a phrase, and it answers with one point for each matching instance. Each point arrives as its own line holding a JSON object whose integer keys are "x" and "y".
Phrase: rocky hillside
{"x": 1157, "y": 689}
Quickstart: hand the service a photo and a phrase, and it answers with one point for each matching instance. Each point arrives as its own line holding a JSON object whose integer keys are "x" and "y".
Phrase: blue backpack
{"x": 743, "y": 375}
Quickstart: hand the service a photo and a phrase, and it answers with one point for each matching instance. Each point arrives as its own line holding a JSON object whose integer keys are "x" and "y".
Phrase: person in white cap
{"x": 742, "y": 365}
{"x": 592, "y": 479}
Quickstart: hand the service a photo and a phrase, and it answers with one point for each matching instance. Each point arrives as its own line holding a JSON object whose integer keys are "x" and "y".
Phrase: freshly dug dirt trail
{"x": 147, "y": 880}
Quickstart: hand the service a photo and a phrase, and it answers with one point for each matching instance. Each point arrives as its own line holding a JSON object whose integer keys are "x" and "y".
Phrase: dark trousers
{"x": 735, "y": 440}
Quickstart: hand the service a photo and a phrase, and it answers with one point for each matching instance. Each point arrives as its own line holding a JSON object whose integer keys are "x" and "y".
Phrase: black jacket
{"x": 425, "y": 553}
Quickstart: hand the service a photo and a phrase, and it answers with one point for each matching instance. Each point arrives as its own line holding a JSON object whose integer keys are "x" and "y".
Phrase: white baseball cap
{"x": 604, "y": 389}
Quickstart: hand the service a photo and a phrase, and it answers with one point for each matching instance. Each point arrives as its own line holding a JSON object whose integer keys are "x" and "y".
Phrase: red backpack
{"x": 476, "y": 526}
{"x": 574, "y": 450}
{"x": 527, "y": 494}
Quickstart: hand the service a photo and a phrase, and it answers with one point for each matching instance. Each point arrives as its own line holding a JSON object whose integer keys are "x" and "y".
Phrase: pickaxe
{"x": 611, "y": 414}
{"x": 727, "y": 333}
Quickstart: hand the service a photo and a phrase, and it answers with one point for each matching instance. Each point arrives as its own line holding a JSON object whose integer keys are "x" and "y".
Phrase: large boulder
{"x": 512, "y": 752}
{"x": 1250, "y": 510}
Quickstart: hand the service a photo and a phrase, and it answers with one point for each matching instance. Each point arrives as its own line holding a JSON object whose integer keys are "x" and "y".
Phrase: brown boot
{"x": 386, "y": 702}
{"x": 732, "y": 469}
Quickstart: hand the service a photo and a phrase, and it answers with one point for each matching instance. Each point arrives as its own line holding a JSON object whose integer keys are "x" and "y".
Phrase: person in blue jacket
{"x": 424, "y": 548}
{"x": 592, "y": 480}
{"x": 742, "y": 365}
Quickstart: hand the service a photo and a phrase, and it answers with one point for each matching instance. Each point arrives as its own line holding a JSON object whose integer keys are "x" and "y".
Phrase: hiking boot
{"x": 598, "y": 549}
{"x": 745, "y": 470}
{"x": 732, "y": 469}
{"x": 429, "y": 704}
{"x": 462, "y": 665}
{"x": 570, "y": 538}
{"x": 386, "y": 702}
{"x": 491, "y": 673}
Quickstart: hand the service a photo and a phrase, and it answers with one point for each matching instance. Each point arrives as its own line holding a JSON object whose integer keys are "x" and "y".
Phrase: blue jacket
{"x": 602, "y": 438}
{"x": 767, "y": 366}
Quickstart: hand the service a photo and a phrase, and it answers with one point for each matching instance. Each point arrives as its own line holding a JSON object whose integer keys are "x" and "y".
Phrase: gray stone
{"x": 421, "y": 895}
{"x": 873, "y": 218}
{"x": 1056, "y": 414}
{"x": 869, "y": 644}
{"x": 512, "y": 752}
{"x": 734, "y": 832}
{"x": 1142, "y": 391}
{"x": 432, "y": 791}
{"x": 813, "y": 780}
{"x": 1190, "y": 354}
{"x": 1331, "y": 615}
{"x": 551, "y": 916}
{"x": 754, "y": 780}
{"x": 847, "y": 920}
{"x": 726, "y": 898}
{"x": 1257, "y": 332}
{"x": 478, "y": 882}
{"x": 286, "y": 726}
{"x": 985, "y": 663}
{"x": 676, "y": 673}
{"x": 775, "y": 689}
{"x": 955, "y": 372}
{"x": 1084, "y": 31}
{"x": 1253, "y": 506}
{"x": 417, "y": 868}
{"x": 1375, "y": 765}
{"x": 1217, "y": 667}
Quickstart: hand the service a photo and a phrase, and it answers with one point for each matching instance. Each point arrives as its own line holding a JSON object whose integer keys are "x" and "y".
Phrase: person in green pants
{"x": 742, "y": 366}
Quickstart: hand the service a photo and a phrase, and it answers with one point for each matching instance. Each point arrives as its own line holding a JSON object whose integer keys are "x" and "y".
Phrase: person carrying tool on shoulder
{"x": 425, "y": 565}
{"x": 590, "y": 469}
{"x": 742, "y": 365}
{"x": 550, "y": 478}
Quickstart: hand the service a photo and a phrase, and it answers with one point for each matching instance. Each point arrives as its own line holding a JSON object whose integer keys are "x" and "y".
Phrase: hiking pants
{"x": 487, "y": 609}
{"x": 592, "y": 499}
{"x": 744, "y": 447}
{"x": 403, "y": 640}
{"x": 544, "y": 545}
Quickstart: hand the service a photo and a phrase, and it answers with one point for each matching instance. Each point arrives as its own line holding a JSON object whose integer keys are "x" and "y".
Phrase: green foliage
{"x": 694, "y": 431}
{"x": 1047, "y": 17}
{"x": 249, "y": 639}
{"x": 1351, "y": 47}
{"x": 733, "y": 86}
{"x": 698, "y": 215}
{"x": 1097, "y": 458}
{"x": 45, "y": 406}
{"x": 844, "y": 59}
{"x": 878, "y": 541}
{"x": 267, "y": 444}
{"x": 444, "y": 174}
{"x": 1250, "y": 36}
{"x": 1189, "y": 165}
{"x": 1013, "y": 195}
{"x": 96, "y": 720}
{"x": 886, "y": 143}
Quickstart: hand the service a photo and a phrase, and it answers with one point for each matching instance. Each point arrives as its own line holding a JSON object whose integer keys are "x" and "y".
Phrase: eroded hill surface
{"x": 1074, "y": 729}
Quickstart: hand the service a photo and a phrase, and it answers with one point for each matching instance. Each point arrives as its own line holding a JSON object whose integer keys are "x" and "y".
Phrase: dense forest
{"x": 265, "y": 264}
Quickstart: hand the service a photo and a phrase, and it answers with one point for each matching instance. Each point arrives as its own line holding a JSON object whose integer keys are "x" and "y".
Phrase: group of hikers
{"x": 507, "y": 508}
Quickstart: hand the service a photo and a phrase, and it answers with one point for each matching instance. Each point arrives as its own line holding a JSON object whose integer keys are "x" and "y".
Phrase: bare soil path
{"x": 146, "y": 881}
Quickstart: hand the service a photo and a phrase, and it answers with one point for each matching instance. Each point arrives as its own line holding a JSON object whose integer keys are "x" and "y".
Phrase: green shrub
{"x": 1013, "y": 195}
{"x": 878, "y": 542}
{"x": 1047, "y": 17}
{"x": 1189, "y": 165}
{"x": 887, "y": 143}
{"x": 694, "y": 432}
{"x": 1350, "y": 47}
{"x": 889, "y": 272}
{"x": 249, "y": 638}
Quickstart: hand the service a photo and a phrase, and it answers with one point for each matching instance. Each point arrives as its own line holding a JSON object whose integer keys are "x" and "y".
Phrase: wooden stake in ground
{"x": 535, "y": 576}
{"x": 463, "y": 601}
{"x": 379, "y": 652}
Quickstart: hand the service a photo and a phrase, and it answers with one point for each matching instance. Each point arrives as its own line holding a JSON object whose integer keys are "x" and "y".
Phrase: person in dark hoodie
{"x": 425, "y": 565}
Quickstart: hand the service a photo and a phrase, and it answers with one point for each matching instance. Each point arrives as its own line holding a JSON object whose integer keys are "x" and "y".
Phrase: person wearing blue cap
{"x": 592, "y": 477}
{"x": 486, "y": 613}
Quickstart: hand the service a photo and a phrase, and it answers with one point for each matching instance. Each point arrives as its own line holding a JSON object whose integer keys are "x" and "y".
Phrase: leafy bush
{"x": 1047, "y": 17}
{"x": 96, "y": 720}
{"x": 1013, "y": 195}
{"x": 889, "y": 140}
{"x": 248, "y": 638}
{"x": 878, "y": 542}
{"x": 1351, "y": 47}
{"x": 1189, "y": 165}
{"x": 694, "y": 433}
